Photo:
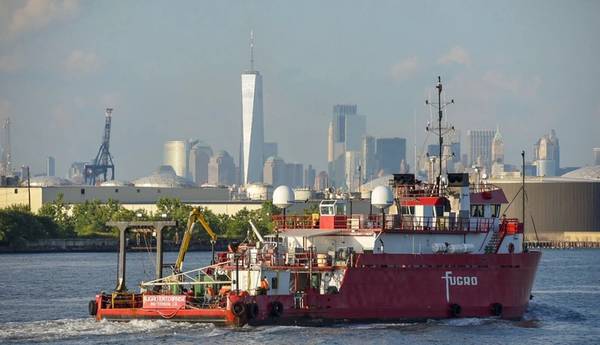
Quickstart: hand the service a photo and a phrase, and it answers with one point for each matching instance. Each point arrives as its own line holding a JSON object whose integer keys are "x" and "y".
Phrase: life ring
{"x": 252, "y": 310}
{"x": 455, "y": 310}
{"x": 93, "y": 308}
{"x": 238, "y": 309}
{"x": 276, "y": 309}
{"x": 496, "y": 309}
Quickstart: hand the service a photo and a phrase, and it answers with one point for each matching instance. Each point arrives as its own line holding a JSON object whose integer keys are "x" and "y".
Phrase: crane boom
{"x": 195, "y": 216}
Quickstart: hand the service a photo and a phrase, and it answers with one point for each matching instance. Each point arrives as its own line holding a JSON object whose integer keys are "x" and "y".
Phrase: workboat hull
{"x": 383, "y": 287}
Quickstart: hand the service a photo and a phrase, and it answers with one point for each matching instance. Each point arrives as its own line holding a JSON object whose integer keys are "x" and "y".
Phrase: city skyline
{"x": 190, "y": 90}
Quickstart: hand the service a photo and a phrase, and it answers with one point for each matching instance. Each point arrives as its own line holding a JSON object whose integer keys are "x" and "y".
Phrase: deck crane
{"x": 195, "y": 217}
{"x": 103, "y": 161}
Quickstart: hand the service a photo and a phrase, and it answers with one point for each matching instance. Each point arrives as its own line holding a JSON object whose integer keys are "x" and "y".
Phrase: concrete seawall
{"x": 98, "y": 245}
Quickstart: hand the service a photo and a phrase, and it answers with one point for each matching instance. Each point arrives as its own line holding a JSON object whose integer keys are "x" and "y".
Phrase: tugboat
{"x": 438, "y": 250}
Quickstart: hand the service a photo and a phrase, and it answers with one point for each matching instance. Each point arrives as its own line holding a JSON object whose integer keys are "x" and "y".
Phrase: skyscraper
{"x": 346, "y": 131}
{"x": 309, "y": 176}
{"x": 390, "y": 153}
{"x": 480, "y": 147}
{"x": 176, "y": 155}
{"x": 50, "y": 166}
{"x": 199, "y": 158}
{"x": 369, "y": 161}
{"x": 252, "y": 159}
{"x": 270, "y": 150}
{"x": 498, "y": 148}
{"x": 274, "y": 171}
{"x": 221, "y": 169}
{"x": 547, "y": 155}
{"x": 321, "y": 181}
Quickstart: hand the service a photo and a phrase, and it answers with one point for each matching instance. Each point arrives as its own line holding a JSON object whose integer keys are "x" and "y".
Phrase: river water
{"x": 43, "y": 299}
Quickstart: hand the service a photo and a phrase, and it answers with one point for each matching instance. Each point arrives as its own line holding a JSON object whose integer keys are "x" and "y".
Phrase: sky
{"x": 171, "y": 70}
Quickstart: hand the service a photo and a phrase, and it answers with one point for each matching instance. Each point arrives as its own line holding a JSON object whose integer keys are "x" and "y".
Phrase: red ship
{"x": 439, "y": 250}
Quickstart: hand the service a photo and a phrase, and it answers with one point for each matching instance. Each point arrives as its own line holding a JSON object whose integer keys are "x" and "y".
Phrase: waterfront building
{"x": 547, "y": 155}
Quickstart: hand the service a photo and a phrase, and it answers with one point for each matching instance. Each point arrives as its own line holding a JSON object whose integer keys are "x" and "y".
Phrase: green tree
{"x": 58, "y": 211}
{"x": 18, "y": 225}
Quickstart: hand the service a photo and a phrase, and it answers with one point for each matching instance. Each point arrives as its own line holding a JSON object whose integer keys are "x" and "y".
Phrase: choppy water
{"x": 43, "y": 299}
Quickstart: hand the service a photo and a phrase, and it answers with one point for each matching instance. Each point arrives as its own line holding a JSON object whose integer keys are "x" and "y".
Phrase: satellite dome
{"x": 165, "y": 177}
{"x": 283, "y": 197}
{"x": 382, "y": 197}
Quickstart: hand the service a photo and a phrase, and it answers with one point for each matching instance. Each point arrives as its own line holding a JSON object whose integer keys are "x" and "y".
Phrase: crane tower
{"x": 103, "y": 161}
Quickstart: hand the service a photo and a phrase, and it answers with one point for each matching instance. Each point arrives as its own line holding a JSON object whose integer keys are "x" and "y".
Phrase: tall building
{"x": 369, "y": 161}
{"x": 270, "y": 150}
{"x": 309, "y": 177}
{"x": 221, "y": 169}
{"x": 547, "y": 155}
{"x": 321, "y": 181}
{"x": 199, "y": 157}
{"x": 176, "y": 155}
{"x": 390, "y": 153}
{"x": 294, "y": 174}
{"x": 5, "y": 155}
{"x": 252, "y": 158}
{"x": 498, "y": 148}
{"x": 354, "y": 170}
{"x": 346, "y": 131}
{"x": 50, "y": 166}
{"x": 274, "y": 171}
{"x": 596, "y": 152}
{"x": 480, "y": 147}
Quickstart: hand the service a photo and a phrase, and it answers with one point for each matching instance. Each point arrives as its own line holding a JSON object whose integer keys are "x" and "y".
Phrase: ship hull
{"x": 386, "y": 288}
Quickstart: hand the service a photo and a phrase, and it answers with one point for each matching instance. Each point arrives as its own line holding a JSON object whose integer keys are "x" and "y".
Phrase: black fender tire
{"x": 276, "y": 309}
{"x": 253, "y": 310}
{"x": 496, "y": 309}
{"x": 455, "y": 310}
{"x": 93, "y": 308}
{"x": 238, "y": 309}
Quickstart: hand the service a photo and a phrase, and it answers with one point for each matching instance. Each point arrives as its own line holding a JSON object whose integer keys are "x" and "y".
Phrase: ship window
{"x": 82, "y": 191}
{"x": 326, "y": 210}
{"x": 476, "y": 210}
{"x": 495, "y": 211}
{"x": 408, "y": 210}
{"x": 340, "y": 209}
{"x": 439, "y": 211}
{"x": 274, "y": 283}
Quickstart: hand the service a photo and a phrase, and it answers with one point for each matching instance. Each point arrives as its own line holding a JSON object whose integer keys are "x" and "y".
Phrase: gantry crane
{"x": 103, "y": 161}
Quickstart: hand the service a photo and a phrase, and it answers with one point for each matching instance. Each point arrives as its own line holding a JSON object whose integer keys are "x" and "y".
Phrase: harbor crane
{"x": 103, "y": 161}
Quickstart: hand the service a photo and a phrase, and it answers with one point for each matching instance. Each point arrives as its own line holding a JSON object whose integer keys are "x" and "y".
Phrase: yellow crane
{"x": 195, "y": 216}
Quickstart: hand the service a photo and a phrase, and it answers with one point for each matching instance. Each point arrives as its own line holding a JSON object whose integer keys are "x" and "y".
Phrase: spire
{"x": 251, "y": 50}
{"x": 497, "y": 135}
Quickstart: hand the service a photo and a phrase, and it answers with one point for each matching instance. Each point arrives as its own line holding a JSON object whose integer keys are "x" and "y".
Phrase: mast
{"x": 440, "y": 130}
{"x": 523, "y": 191}
{"x": 251, "y": 50}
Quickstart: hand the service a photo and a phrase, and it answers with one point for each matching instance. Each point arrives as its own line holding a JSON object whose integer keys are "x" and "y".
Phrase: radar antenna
{"x": 440, "y": 130}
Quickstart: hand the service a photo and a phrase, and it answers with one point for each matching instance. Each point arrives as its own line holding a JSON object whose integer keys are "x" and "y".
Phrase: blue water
{"x": 43, "y": 299}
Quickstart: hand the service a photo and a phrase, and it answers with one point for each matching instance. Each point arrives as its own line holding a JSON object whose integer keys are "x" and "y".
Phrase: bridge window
{"x": 495, "y": 211}
{"x": 476, "y": 210}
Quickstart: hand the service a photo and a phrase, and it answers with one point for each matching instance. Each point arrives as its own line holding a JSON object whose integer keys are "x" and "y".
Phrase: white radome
{"x": 283, "y": 197}
{"x": 382, "y": 197}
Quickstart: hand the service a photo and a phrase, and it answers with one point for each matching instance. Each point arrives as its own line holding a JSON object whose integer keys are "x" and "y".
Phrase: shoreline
{"x": 100, "y": 245}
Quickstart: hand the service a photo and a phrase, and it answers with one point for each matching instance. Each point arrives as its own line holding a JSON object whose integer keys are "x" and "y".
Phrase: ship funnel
{"x": 382, "y": 197}
{"x": 283, "y": 197}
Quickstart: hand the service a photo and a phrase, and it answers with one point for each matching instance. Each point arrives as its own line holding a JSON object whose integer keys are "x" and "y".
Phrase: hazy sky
{"x": 171, "y": 70}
